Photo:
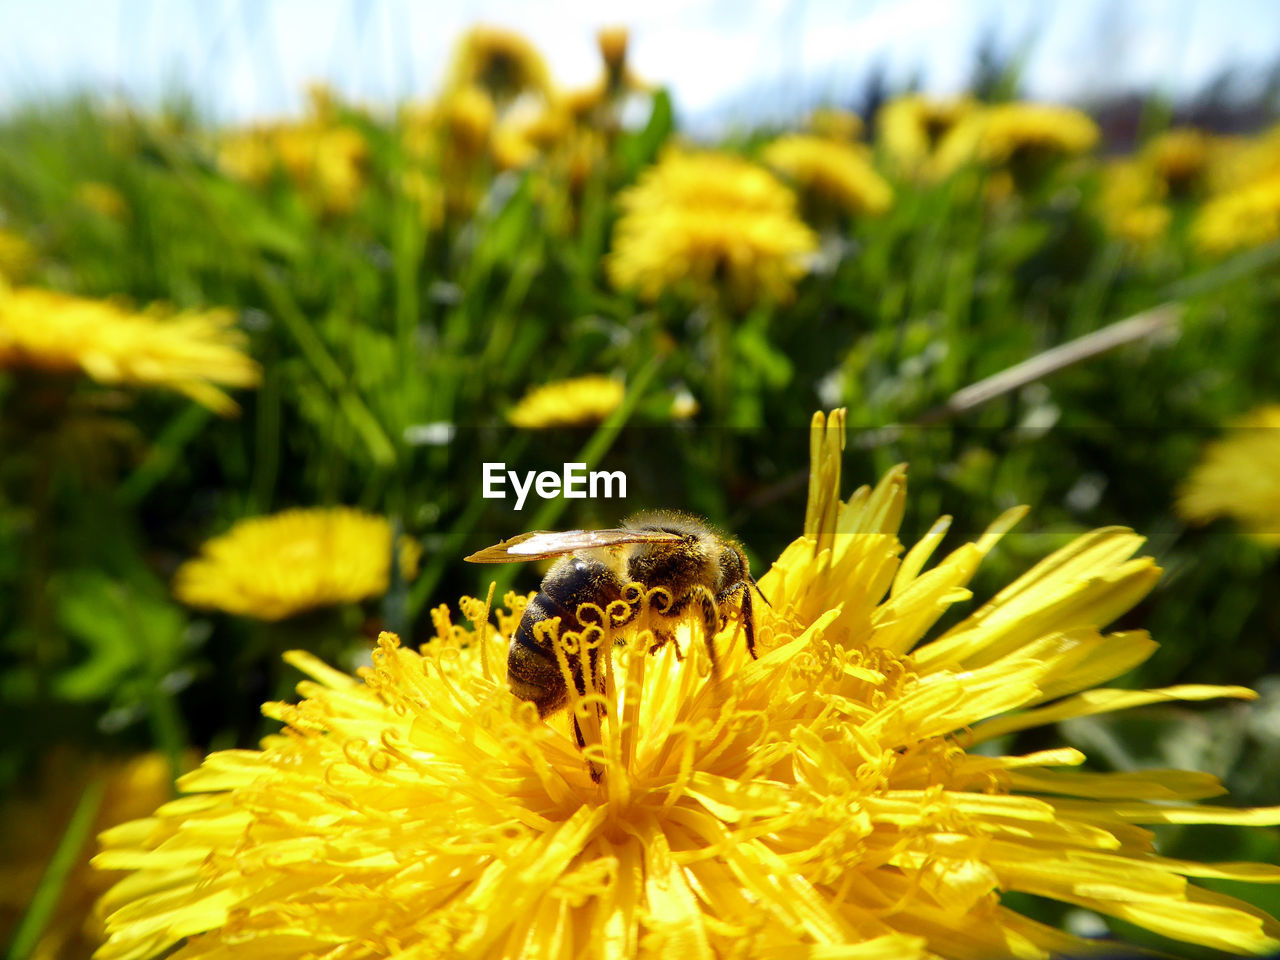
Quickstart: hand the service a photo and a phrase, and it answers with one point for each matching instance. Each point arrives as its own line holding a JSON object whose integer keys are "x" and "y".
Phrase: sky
{"x": 721, "y": 59}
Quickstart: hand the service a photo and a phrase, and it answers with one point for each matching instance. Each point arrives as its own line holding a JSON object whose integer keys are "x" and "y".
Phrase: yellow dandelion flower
{"x": 524, "y": 135}
{"x": 911, "y": 128}
{"x": 512, "y": 150}
{"x": 1238, "y": 476}
{"x": 274, "y": 567}
{"x": 192, "y": 351}
{"x": 613, "y": 42}
{"x": 1130, "y": 201}
{"x": 584, "y": 103}
{"x": 326, "y": 162}
{"x": 501, "y": 62}
{"x": 409, "y": 556}
{"x": 833, "y": 123}
{"x": 102, "y": 198}
{"x": 1009, "y": 132}
{"x": 820, "y": 801}
{"x": 419, "y": 129}
{"x": 470, "y": 115}
{"x": 1143, "y": 224}
{"x": 1179, "y": 157}
{"x": 568, "y": 403}
{"x": 707, "y": 223}
{"x": 618, "y": 79}
{"x": 830, "y": 174}
{"x": 33, "y": 828}
{"x": 341, "y": 161}
{"x": 1235, "y": 162}
{"x": 1247, "y": 217}
{"x": 453, "y": 137}
{"x": 247, "y": 155}
{"x": 17, "y": 256}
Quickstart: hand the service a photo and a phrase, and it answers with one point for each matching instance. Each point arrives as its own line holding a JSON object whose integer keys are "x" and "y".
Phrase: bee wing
{"x": 541, "y": 544}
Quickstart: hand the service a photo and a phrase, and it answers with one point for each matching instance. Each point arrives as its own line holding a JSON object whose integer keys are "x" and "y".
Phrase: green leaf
{"x": 638, "y": 150}
{"x": 124, "y": 630}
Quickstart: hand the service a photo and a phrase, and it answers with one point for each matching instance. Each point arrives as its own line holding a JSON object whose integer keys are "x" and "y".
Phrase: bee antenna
{"x": 752, "y": 580}
{"x": 746, "y": 572}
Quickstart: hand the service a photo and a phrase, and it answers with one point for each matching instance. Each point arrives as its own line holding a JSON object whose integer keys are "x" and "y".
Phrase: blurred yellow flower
{"x": 566, "y": 403}
{"x": 248, "y": 155}
{"x": 322, "y": 101}
{"x": 820, "y": 801}
{"x": 502, "y": 62}
{"x": 1179, "y": 157}
{"x": 1235, "y": 162}
{"x": 911, "y": 128}
{"x": 583, "y": 153}
{"x": 325, "y": 160}
{"x": 17, "y": 256}
{"x": 419, "y": 129}
{"x": 1131, "y": 201}
{"x": 584, "y": 104}
{"x": 618, "y": 78}
{"x": 705, "y": 224}
{"x": 33, "y": 827}
{"x": 1134, "y": 202}
{"x": 1247, "y": 217}
{"x": 1238, "y": 476}
{"x": 453, "y": 139}
{"x": 274, "y": 567}
{"x": 613, "y": 42}
{"x": 597, "y": 105}
{"x": 511, "y": 150}
{"x": 470, "y": 115}
{"x": 427, "y": 195}
{"x": 1143, "y": 224}
{"x": 1010, "y": 132}
{"x": 102, "y": 198}
{"x": 327, "y": 163}
{"x": 833, "y": 123}
{"x": 525, "y": 135}
{"x": 829, "y": 173}
{"x": 191, "y": 351}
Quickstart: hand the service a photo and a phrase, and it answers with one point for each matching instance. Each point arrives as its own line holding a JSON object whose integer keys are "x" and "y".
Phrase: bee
{"x": 702, "y": 569}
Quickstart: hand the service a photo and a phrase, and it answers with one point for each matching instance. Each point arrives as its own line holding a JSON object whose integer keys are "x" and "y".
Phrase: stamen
{"x": 479, "y": 617}
{"x": 640, "y": 601}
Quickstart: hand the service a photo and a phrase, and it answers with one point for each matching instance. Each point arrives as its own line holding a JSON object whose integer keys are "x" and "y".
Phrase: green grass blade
{"x": 45, "y": 900}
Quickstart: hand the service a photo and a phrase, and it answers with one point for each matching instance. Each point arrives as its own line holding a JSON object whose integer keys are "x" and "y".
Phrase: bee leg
{"x": 748, "y": 618}
{"x": 597, "y": 684}
{"x": 661, "y": 638}
{"x": 710, "y": 620}
{"x": 596, "y": 773}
